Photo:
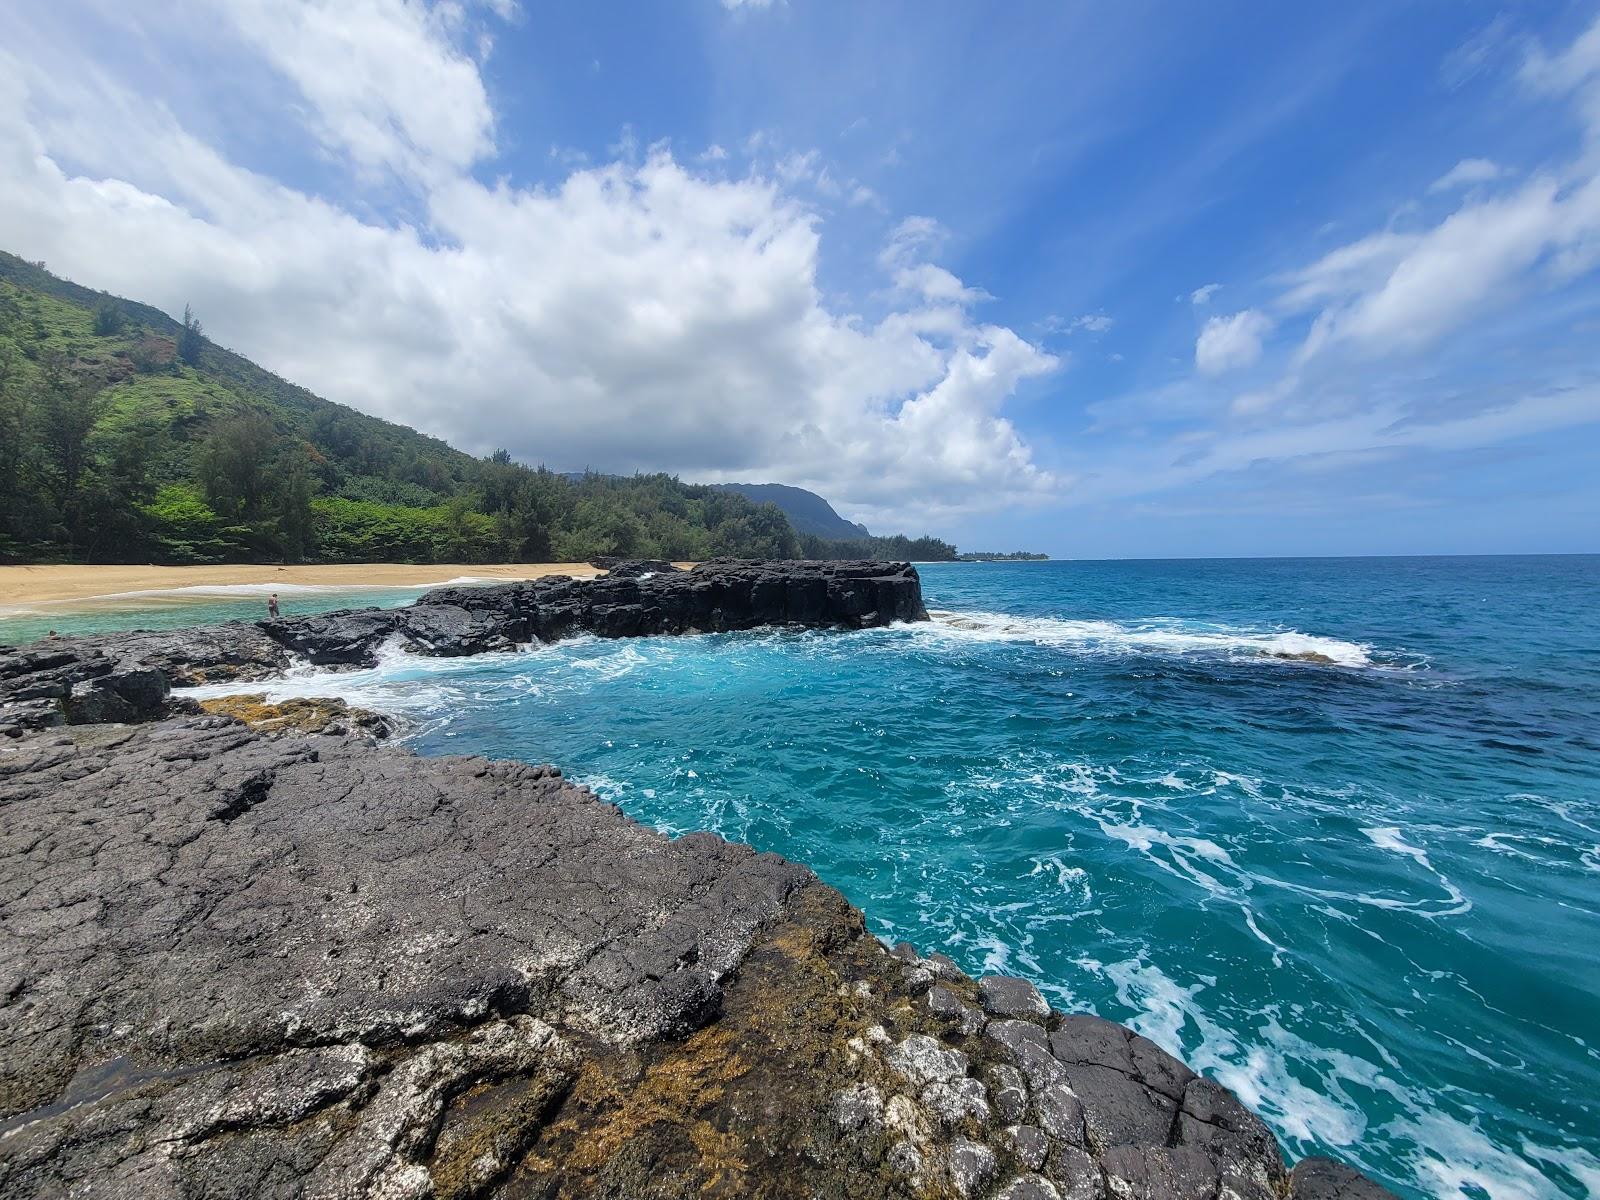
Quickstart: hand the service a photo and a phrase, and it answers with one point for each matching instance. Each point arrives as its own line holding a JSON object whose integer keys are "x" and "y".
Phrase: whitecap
{"x": 1162, "y": 635}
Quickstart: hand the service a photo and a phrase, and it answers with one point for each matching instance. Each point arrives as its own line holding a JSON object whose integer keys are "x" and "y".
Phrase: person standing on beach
{"x": 272, "y": 607}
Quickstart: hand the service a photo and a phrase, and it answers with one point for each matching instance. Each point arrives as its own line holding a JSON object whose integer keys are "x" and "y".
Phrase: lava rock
{"x": 947, "y": 1006}
{"x": 1003, "y": 996}
{"x": 1029, "y": 1144}
{"x": 972, "y": 1167}
{"x": 623, "y": 568}
{"x": 1009, "y": 1091}
{"x": 239, "y": 963}
{"x": 1319, "y": 1178}
{"x": 1029, "y": 1187}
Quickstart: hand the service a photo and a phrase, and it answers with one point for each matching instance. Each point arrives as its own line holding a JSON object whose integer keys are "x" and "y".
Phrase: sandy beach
{"x": 65, "y": 582}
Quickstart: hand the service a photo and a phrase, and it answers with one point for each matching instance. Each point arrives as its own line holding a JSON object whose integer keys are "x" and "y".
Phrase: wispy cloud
{"x": 1466, "y": 173}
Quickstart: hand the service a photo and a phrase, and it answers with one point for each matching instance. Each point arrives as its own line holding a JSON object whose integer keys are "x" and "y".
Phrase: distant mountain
{"x": 807, "y": 511}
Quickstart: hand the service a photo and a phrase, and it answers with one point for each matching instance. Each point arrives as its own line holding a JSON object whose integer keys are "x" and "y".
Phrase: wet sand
{"x": 58, "y": 582}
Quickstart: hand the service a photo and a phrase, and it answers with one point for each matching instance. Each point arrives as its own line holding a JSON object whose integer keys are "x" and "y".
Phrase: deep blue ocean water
{"x": 1364, "y": 894}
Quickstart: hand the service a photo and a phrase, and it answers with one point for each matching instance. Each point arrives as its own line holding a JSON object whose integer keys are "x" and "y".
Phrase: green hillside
{"x": 126, "y": 436}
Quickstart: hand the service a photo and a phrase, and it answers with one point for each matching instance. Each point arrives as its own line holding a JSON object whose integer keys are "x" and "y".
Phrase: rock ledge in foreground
{"x": 239, "y": 964}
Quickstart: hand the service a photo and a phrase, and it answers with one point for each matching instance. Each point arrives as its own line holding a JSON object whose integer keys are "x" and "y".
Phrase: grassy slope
{"x": 186, "y": 399}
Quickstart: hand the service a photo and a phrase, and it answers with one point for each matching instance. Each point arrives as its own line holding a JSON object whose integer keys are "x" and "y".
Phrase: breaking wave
{"x": 1161, "y": 635}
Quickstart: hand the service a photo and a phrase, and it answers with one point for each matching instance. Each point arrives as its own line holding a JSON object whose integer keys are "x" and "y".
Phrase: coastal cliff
{"x": 241, "y": 962}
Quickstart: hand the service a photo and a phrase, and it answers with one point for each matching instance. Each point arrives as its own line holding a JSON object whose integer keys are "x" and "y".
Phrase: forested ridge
{"x": 126, "y": 436}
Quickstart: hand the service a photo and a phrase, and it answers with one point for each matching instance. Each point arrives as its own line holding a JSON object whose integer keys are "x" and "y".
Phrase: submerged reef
{"x": 250, "y": 961}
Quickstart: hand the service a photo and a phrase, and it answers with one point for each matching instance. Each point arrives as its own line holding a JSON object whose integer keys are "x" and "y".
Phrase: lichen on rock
{"x": 314, "y": 714}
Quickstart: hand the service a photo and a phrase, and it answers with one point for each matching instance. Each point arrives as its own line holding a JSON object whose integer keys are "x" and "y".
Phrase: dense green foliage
{"x": 897, "y": 548}
{"x": 128, "y": 436}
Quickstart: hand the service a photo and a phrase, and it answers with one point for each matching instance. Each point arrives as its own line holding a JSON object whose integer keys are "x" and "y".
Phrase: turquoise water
{"x": 181, "y": 608}
{"x": 1362, "y": 894}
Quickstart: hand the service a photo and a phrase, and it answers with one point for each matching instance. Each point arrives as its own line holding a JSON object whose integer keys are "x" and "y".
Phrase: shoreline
{"x": 703, "y": 995}
{"x": 64, "y": 583}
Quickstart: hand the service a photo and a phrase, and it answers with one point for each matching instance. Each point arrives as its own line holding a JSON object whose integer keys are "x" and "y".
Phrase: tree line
{"x": 127, "y": 437}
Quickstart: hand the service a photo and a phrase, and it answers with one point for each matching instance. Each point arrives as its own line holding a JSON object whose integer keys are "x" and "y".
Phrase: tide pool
{"x": 1362, "y": 890}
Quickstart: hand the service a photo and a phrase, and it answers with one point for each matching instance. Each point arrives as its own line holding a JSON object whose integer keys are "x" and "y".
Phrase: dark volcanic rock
{"x": 632, "y": 568}
{"x": 347, "y": 638}
{"x": 126, "y": 676}
{"x": 714, "y": 597}
{"x": 247, "y": 965}
{"x": 1321, "y": 1178}
{"x": 207, "y": 930}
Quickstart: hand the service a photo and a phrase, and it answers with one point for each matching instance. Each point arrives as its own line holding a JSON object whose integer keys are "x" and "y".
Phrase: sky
{"x": 1133, "y": 280}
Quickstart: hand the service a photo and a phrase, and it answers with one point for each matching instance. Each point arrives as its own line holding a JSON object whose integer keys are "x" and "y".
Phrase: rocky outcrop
{"x": 308, "y": 714}
{"x": 127, "y": 676}
{"x": 250, "y": 965}
{"x": 632, "y": 568}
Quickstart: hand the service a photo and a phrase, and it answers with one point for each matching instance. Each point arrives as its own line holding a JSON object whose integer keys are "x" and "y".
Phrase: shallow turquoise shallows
{"x": 1362, "y": 890}
{"x": 181, "y": 608}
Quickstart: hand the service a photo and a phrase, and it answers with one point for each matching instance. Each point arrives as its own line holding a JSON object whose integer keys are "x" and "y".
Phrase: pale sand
{"x": 52, "y": 582}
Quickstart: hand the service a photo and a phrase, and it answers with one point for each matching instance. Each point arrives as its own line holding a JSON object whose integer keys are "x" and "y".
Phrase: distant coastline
{"x": 1010, "y": 556}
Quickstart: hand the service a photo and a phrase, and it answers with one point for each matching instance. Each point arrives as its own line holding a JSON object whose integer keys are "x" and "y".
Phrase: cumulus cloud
{"x": 1227, "y": 343}
{"x": 1202, "y": 295}
{"x": 637, "y": 314}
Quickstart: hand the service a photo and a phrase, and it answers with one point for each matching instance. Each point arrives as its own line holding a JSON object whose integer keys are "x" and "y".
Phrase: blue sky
{"x": 1100, "y": 280}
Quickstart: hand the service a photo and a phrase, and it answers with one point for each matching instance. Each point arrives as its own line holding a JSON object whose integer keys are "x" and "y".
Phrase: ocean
{"x": 1362, "y": 889}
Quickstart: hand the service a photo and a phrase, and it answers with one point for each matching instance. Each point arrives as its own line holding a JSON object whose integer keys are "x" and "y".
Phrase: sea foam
{"x": 1160, "y": 635}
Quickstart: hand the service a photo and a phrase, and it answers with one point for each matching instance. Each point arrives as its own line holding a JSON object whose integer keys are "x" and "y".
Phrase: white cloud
{"x": 1467, "y": 172}
{"x": 1403, "y": 290}
{"x": 1088, "y": 323}
{"x": 638, "y": 315}
{"x": 1227, "y": 343}
{"x": 912, "y": 239}
{"x": 387, "y": 86}
{"x": 1202, "y": 295}
{"x": 936, "y": 285}
{"x": 1483, "y": 256}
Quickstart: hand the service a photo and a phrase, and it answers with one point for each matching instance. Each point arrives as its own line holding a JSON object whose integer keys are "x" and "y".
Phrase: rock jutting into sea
{"x": 245, "y": 963}
{"x": 128, "y": 676}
